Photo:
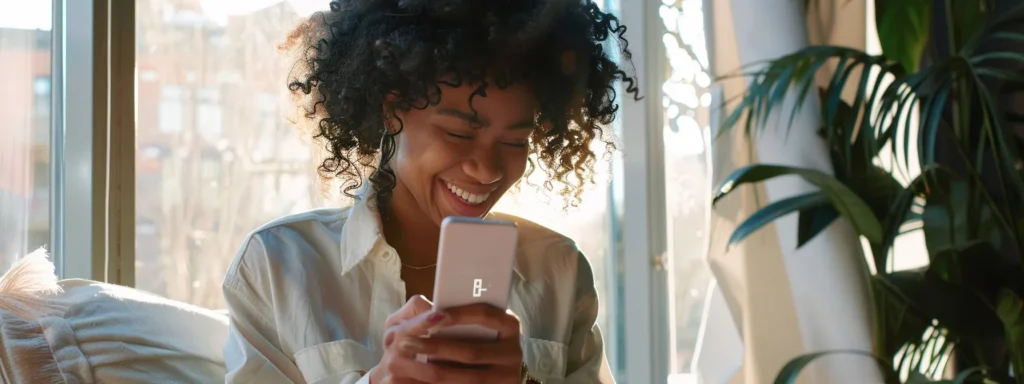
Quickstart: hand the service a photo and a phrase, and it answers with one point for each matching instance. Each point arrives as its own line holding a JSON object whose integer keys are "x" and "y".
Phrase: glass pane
{"x": 589, "y": 224}
{"x": 613, "y": 292}
{"x": 592, "y": 225}
{"x": 216, "y": 158}
{"x": 685, "y": 99}
{"x": 24, "y": 128}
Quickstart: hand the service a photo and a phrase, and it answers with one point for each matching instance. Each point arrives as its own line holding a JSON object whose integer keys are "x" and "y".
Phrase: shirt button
{"x": 545, "y": 365}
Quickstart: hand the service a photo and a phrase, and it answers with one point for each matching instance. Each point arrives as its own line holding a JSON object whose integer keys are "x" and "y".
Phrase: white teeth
{"x": 466, "y": 196}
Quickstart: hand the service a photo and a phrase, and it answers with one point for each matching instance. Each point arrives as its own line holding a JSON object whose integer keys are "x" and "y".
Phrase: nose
{"x": 484, "y": 165}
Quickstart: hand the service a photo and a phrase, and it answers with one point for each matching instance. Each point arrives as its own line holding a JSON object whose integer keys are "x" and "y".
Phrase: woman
{"x": 440, "y": 104}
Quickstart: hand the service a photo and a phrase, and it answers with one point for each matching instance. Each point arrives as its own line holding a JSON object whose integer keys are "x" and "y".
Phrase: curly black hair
{"x": 352, "y": 57}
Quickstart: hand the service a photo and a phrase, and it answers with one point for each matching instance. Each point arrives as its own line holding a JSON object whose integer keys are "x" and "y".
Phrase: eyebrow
{"x": 469, "y": 117}
{"x": 477, "y": 122}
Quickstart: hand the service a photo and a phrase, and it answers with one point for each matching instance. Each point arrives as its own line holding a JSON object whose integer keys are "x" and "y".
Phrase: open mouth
{"x": 466, "y": 197}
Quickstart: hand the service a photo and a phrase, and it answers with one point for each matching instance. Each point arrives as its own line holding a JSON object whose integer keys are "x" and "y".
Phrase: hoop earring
{"x": 387, "y": 145}
{"x": 383, "y": 177}
{"x": 384, "y": 136}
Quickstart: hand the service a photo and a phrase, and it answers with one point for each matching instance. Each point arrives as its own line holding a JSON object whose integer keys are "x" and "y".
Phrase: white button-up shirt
{"x": 308, "y": 295}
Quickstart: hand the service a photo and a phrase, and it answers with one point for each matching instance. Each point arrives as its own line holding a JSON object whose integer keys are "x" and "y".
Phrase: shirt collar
{"x": 362, "y": 233}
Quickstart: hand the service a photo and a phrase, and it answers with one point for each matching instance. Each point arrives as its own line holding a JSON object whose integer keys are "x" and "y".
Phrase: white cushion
{"x": 97, "y": 332}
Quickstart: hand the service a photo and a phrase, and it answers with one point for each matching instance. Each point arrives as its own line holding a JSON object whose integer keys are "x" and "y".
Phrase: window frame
{"x": 57, "y": 152}
{"x": 98, "y": 36}
{"x": 93, "y": 155}
{"x": 644, "y": 228}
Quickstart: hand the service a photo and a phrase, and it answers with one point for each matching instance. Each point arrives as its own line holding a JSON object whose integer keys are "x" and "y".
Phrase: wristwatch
{"x": 526, "y": 378}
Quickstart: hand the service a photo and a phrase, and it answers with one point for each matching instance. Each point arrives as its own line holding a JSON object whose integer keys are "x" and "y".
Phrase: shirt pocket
{"x": 545, "y": 359}
{"x": 334, "y": 358}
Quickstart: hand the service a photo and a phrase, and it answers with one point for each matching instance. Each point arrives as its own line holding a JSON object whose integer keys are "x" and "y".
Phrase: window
{"x": 589, "y": 225}
{"x": 24, "y": 126}
{"x": 209, "y": 114}
{"x": 216, "y": 158}
{"x": 42, "y": 95}
{"x": 685, "y": 102}
{"x": 171, "y": 108}
{"x": 41, "y": 91}
{"x": 592, "y": 225}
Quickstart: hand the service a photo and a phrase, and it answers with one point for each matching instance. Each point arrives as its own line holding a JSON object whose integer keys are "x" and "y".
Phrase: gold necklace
{"x": 419, "y": 267}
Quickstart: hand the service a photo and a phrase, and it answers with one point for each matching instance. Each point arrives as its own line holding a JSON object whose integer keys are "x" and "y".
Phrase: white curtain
{"x": 781, "y": 302}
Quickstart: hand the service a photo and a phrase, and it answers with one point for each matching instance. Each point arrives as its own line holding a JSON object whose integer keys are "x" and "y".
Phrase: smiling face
{"x": 450, "y": 162}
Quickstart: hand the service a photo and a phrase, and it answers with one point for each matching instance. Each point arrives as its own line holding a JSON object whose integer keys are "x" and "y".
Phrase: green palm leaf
{"x": 952, "y": 105}
{"x": 879, "y": 103}
{"x": 768, "y": 214}
{"x": 812, "y": 221}
{"x": 1011, "y": 311}
{"x": 792, "y": 369}
{"x": 840, "y": 196}
{"x": 903, "y": 29}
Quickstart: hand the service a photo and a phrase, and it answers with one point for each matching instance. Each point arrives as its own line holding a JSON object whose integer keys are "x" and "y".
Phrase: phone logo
{"x": 478, "y": 287}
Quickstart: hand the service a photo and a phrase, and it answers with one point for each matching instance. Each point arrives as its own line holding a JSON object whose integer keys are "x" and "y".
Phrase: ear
{"x": 391, "y": 98}
{"x": 390, "y": 119}
{"x": 389, "y": 112}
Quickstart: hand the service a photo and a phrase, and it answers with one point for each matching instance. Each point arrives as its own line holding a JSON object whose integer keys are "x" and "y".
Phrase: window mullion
{"x": 93, "y": 198}
{"x": 56, "y": 243}
{"x": 644, "y": 230}
{"x": 120, "y": 236}
{"x": 77, "y": 229}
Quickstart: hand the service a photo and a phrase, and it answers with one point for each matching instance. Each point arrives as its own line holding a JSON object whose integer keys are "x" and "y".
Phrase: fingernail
{"x": 411, "y": 345}
{"x": 436, "y": 317}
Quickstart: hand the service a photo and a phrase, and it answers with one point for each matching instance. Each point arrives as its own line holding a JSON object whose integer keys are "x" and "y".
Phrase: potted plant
{"x": 948, "y": 71}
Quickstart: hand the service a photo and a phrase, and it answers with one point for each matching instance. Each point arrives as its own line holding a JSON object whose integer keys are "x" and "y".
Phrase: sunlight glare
{"x": 18, "y": 14}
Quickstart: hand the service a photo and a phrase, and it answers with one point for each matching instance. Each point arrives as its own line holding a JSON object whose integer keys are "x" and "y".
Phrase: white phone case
{"x": 474, "y": 265}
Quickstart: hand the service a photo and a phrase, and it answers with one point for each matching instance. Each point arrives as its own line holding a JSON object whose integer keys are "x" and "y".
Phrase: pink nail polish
{"x": 436, "y": 317}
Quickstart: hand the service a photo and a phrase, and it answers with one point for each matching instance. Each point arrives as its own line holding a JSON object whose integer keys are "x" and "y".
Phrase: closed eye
{"x": 458, "y": 136}
{"x": 519, "y": 144}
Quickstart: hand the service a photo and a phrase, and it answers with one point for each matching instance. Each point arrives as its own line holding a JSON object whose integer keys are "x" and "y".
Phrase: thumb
{"x": 415, "y": 306}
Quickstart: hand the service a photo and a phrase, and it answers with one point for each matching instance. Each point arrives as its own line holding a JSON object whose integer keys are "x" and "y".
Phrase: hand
{"x": 498, "y": 362}
{"x": 410, "y": 323}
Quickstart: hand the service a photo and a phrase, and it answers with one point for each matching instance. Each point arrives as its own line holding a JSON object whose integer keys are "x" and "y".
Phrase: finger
{"x": 423, "y": 324}
{"x": 504, "y": 352}
{"x": 406, "y": 380}
{"x": 413, "y": 307}
{"x": 450, "y": 374}
{"x": 404, "y": 369}
{"x": 503, "y": 321}
{"x": 402, "y": 380}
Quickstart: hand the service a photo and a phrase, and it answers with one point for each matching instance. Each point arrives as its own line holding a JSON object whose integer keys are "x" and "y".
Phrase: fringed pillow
{"x": 80, "y": 331}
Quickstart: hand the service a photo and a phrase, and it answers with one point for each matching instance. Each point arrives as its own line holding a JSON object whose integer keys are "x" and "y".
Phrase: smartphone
{"x": 474, "y": 265}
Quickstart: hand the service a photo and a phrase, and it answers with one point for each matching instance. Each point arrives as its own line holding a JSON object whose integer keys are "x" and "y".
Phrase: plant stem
{"x": 984, "y": 191}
